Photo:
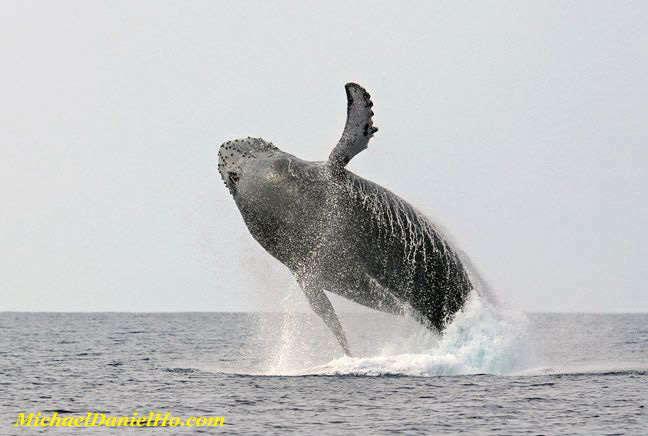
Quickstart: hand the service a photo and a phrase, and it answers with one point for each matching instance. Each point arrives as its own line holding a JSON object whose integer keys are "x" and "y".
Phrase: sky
{"x": 519, "y": 127}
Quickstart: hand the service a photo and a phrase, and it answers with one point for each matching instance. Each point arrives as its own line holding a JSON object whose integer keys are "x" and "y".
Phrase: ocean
{"x": 491, "y": 373}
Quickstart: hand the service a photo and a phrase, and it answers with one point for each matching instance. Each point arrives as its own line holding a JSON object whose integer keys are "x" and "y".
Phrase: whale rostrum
{"x": 340, "y": 233}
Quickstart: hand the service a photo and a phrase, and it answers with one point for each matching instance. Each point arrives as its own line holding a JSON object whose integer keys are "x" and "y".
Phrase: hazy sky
{"x": 521, "y": 127}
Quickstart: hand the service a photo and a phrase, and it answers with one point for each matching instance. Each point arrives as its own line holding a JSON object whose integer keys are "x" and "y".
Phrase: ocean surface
{"x": 491, "y": 373}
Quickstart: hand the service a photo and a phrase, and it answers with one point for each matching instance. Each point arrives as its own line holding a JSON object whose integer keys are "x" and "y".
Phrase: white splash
{"x": 482, "y": 339}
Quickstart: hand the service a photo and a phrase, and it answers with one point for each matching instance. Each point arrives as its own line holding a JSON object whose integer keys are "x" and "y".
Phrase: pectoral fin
{"x": 321, "y": 305}
{"x": 358, "y": 128}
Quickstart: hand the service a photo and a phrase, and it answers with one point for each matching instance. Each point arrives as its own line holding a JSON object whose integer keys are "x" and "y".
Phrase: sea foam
{"x": 482, "y": 339}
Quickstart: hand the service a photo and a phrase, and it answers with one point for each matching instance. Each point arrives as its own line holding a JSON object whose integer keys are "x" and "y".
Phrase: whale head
{"x": 242, "y": 161}
{"x": 276, "y": 192}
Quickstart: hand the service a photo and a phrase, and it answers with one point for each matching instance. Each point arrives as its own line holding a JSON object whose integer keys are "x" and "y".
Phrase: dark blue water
{"x": 585, "y": 374}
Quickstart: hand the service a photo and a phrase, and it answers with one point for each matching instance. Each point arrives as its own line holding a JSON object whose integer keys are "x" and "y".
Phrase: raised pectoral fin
{"x": 358, "y": 129}
{"x": 321, "y": 305}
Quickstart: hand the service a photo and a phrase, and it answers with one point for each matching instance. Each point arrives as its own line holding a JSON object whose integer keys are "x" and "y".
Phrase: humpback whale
{"x": 340, "y": 233}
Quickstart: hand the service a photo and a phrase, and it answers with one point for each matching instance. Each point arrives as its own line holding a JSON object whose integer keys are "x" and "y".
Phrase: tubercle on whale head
{"x": 235, "y": 156}
{"x": 278, "y": 195}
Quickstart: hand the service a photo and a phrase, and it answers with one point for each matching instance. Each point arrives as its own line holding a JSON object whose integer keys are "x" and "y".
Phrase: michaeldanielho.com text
{"x": 101, "y": 419}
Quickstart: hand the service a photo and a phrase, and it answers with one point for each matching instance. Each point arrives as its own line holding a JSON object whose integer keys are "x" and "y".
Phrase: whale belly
{"x": 401, "y": 250}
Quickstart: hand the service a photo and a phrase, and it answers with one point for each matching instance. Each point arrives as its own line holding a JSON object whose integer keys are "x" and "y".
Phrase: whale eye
{"x": 233, "y": 177}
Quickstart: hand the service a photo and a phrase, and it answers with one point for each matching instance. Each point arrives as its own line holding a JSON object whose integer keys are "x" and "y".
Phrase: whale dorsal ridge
{"x": 358, "y": 128}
